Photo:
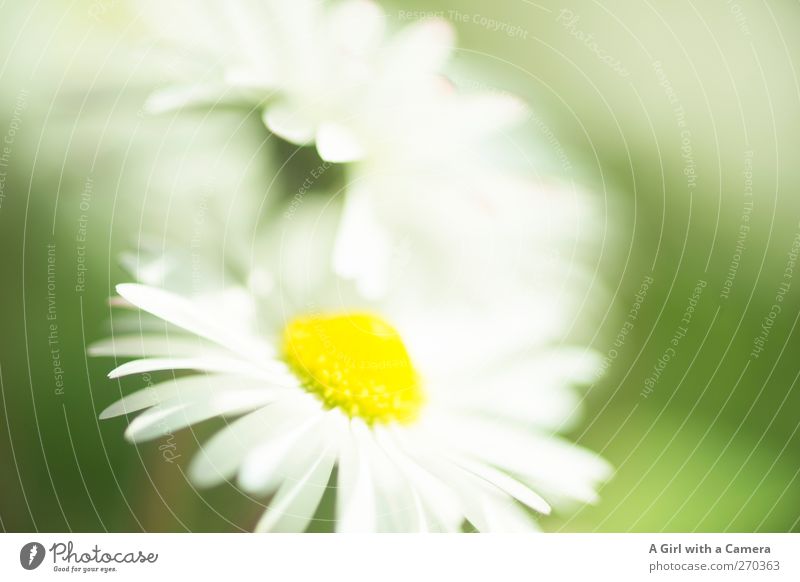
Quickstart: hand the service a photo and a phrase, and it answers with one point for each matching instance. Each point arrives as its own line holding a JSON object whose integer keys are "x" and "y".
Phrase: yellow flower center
{"x": 357, "y": 362}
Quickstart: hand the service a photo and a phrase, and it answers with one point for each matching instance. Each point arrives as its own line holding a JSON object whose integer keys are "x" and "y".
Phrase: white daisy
{"x": 321, "y": 72}
{"x": 429, "y": 420}
{"x": 423, "y": 152}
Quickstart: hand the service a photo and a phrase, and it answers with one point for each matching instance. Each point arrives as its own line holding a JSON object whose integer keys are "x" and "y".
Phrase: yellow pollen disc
{"x": 356, "y": 362}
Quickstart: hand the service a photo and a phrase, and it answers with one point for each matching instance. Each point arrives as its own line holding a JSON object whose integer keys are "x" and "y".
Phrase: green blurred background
{"x": 682, "y": 118}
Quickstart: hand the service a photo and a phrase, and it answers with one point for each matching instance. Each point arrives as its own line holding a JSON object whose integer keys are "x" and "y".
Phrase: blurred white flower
{"x": 471, "y": 232}
{"x": 428, "y": 187}
{"x": 321, "y": 72}
{"x": 427, "y": 422}
{"x": 432, "y": 178}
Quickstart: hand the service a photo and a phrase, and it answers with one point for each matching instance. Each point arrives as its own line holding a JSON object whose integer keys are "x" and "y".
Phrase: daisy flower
{"x": 429, "y": 419}
{"x": 320, "y": 72}
{"x": 421, "y": 152}
{"x": 421, "y": 439}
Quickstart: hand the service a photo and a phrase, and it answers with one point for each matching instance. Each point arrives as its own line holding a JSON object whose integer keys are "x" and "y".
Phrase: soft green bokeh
{"x": 708, "y": 88}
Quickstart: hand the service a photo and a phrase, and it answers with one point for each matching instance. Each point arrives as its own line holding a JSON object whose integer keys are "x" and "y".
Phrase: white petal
{"x": 276, "y": 373}
{"x": 190, "y": 388}
{"x": 170, "y": 417}
{"x": 398, "y": 508}
{"x": 141, "y": 399}
{"x": 185, "y": 314}
{"x": 220, "y": 457}
{"x": 362, "y": 250}
{"x": 421, "y": 48}
{"x": 537, "y": 391}
{"x": 180, "y": 96}
{"x": 472, "y": 482}
{"x": 338, "y": 144}
{"x": 503, "y": 515}
{"x": 488, "y": 507}
{"x": 295, "y": 502}
{"x": 287, "y": 122}
{"x": 547, "y": 462}
{"x": 490, "y": 511}
{"x": 441, "y": 509}
{"x": 265, "y": 467}
{"x": 508, "y": 485}
{"x": 564, "y": 471}
{"x": 355, "y": 500}
{"x": 141, "y": 346}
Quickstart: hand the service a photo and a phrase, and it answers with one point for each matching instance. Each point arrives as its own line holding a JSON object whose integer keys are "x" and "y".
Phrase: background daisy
{"x": 319, "y": 71}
